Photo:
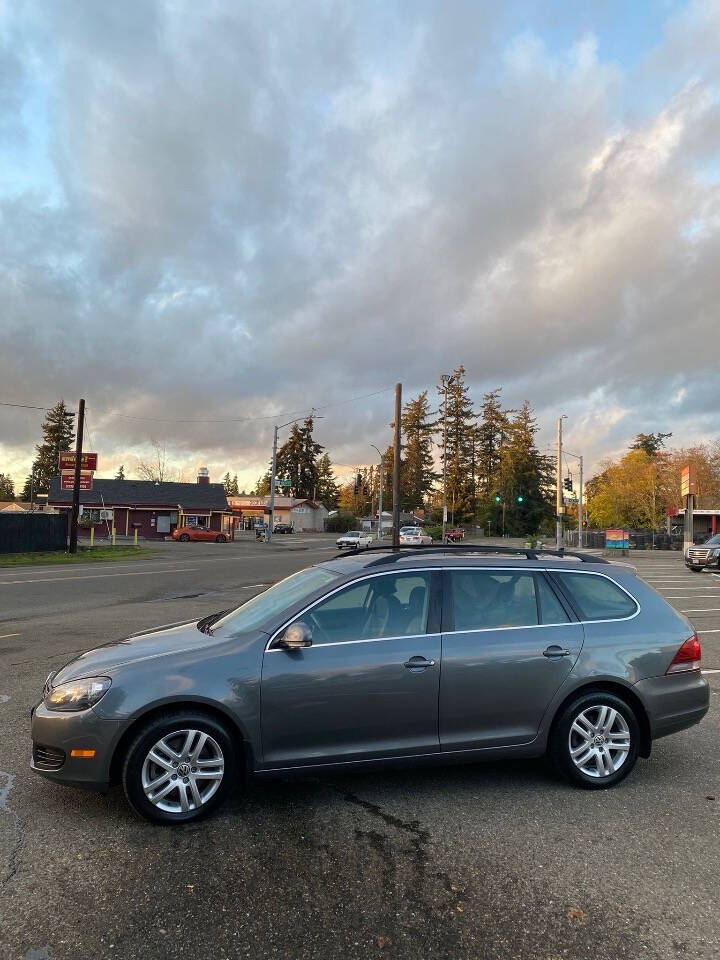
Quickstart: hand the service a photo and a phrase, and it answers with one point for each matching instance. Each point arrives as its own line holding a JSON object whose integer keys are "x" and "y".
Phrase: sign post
{"x": 76, "y": 489}
{"x": 688, "y": 489}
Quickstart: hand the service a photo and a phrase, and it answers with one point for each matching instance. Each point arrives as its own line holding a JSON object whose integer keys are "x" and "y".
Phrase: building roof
{"x": 145, "y": 493}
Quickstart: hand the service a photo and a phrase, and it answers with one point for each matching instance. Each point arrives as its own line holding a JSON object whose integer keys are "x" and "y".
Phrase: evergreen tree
{"x": 297, "y": 460}
{"x": 262, "y": 487}
{"x": 227, "y": 484}
{"x": 234, "y": 490}
{"x": 650, "y": 443}
{"x": 417, "y": 464}
{"x": 120, "y": 475}
{"x": 327, "y": 490}
{"x": 491, "y": 432}
{"x": 58, "y": 435}
{"x": 460, "y": 423}
{"x": 524, "y": 472}
{"x": 7, "y": 487}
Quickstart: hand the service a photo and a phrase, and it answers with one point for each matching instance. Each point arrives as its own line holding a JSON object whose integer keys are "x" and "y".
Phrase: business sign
{"x": 67, "y": 460}
{"x": 617, "y": 540}
{"x": 688, "y": 481}
{"x": 284, "y": 484}
{"x": 67, "y": 481}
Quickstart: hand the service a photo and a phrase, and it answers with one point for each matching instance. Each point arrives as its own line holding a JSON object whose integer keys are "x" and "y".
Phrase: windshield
{"x": 715, "y": 541}
{"x": 255, "y": 612}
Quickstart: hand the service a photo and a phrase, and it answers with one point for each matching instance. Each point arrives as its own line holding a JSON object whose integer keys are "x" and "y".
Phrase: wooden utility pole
{"x": 76, "y": 488}
{"x": 396, "y": 467}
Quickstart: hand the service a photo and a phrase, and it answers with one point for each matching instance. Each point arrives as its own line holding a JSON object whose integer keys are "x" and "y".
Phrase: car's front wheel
{"x": 221, "y": 538}
{"x": 595, "y": 740}
{"x": 179, "y": 767}
{"x": 184, "y": 537}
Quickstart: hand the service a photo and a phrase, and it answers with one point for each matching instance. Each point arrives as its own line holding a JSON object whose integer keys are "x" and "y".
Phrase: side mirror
{"x": 297, "y": 636}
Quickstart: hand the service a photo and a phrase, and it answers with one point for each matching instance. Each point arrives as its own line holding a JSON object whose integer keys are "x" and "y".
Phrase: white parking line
{"x": 100, "y": 576}
{"x": 710, "y": 671}
{"x": 699, "y": 609}
{"x": 5, "y": 636}
{"x": 710, "y": 631}
{"x": 702, "y": 596}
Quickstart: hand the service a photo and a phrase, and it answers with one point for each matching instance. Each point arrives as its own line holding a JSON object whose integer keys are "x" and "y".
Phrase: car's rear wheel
{"x": 184, "y": 537}
{"x": 180, "y": 767}
{"x": 595, "y": 741}
{"x": 221, "y": 538}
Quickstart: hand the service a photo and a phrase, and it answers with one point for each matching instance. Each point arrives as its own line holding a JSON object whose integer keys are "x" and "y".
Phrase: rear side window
{"x": 596, "y": 597}
{"x": 552, "y": 609}
{"x": 486, "y": 600}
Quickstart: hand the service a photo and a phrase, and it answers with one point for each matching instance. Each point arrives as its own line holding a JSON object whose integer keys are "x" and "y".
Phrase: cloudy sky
{"x": 223, "y": 210}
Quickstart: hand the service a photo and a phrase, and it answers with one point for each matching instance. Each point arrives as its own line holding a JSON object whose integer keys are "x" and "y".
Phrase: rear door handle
{"x": 555, "y": 651}
{"x": 418, "y": 663}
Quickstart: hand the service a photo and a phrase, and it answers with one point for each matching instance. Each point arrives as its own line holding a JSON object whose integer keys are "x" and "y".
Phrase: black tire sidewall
{"x": 559, "y": 750}
{"x": 149, "y": 735}
{"x": 184, "y": 538}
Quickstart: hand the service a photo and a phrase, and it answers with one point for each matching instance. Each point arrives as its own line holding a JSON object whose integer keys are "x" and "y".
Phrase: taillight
{"x": 687, "y": 657}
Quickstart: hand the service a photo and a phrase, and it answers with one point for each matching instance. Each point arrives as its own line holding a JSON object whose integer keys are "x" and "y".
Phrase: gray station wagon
{"x": 432, "y": 654}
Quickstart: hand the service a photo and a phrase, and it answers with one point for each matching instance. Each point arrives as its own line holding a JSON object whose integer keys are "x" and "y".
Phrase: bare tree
{"x": 156, "y": 468}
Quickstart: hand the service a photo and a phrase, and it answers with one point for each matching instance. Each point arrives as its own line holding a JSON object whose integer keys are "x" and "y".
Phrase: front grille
{"x": 701, "y": 556}
{"x": 47, "y": 758}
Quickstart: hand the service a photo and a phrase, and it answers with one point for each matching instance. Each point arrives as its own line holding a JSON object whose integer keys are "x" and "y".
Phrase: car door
{"x": 511, "y": 641}
{"x": 368, "y": 686}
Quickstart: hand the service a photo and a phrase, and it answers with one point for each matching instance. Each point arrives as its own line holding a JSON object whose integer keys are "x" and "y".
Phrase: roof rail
{"x": 393, "y": 554}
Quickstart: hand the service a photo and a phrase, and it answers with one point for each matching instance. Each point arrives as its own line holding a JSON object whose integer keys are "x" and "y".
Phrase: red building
{"x": 153, "y": 509}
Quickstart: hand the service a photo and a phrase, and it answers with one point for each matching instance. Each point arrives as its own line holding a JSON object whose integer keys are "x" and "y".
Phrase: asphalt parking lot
{"x": 497, "y": 860}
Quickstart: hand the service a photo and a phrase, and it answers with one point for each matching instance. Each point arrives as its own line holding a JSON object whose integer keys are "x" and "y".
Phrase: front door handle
{"x": 555, "y": 651}
{"x": 418, "y": 663}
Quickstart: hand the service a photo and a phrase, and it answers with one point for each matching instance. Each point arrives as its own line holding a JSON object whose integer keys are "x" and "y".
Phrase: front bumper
{"x": 63, "y": 732}
{"x": 674, "y": 702}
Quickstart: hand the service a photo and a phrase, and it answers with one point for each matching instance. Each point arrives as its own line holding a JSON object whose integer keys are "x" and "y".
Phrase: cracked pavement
{"x": 492, "y": 861}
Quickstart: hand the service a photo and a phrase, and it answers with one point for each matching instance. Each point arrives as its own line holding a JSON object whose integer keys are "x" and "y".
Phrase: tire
{"x": 696, "y": 569}
{"x": 624, "y": 727}
{"x": 218, "y": 755}
{"x": 221, "y": 538}
{"x": 184, "y": 537}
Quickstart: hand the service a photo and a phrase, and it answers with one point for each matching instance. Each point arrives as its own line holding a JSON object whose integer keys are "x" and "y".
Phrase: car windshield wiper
{"x": 204, "y": 625}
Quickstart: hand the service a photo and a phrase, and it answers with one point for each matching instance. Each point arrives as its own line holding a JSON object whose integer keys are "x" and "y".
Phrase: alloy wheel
{"x": 599, "y": 741}
{"x": 182, "y": 771}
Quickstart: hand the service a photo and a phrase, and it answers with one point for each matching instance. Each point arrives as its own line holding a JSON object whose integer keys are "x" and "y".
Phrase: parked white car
{"x": 414, "y": 536}
{"x": 354, "y": 539}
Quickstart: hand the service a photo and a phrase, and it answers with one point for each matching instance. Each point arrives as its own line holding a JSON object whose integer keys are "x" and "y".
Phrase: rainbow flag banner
{"x": 617, "y": 539}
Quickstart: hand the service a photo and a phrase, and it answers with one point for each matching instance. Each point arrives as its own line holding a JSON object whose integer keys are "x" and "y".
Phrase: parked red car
{"x": 457, "y": 533}
{"x": 194, "y": 532}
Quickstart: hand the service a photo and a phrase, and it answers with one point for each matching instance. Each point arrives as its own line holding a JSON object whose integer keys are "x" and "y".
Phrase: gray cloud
{"x": 257, "y": 208}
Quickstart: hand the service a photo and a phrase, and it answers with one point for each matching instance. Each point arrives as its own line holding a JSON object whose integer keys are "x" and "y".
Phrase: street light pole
{"x": 273, "y": 470}
{"x": 445, "y": 380}
{"x": 396, "y": 466}
{"x": 558, "y": 484}
{"x": 381, "y": 478}
{"x": 580, "y": 496}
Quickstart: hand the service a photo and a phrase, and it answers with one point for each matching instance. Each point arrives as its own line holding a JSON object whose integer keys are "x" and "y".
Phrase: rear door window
{"x": 552, "y": 611}
{"x": 490, "y": 599}
{"x": 597, "y": 597}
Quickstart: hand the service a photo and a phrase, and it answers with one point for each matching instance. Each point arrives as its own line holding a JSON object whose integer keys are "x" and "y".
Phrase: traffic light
{"x": 520, "y": 498}
{"x": 388, "y": 478}
{"x": 498, "y": 498}
{"x": 358, "y": 484}
{"x": 567, "y": 482}
{"x": 365, "y": 491}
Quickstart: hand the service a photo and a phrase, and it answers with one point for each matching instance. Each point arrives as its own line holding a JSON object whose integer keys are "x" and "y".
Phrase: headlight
{"x": 77, "y": 694}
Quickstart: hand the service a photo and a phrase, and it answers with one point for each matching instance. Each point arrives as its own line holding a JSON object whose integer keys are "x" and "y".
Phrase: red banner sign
{"x": 88, "y": 461}
{"x": 67, "y": 481}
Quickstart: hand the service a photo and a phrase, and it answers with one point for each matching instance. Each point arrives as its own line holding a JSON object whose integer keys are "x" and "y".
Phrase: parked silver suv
{"x": 433, "y": 653}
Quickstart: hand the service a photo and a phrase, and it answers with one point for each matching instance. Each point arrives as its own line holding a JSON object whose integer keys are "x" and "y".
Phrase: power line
{"x": 23, "y": 406}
